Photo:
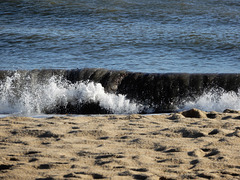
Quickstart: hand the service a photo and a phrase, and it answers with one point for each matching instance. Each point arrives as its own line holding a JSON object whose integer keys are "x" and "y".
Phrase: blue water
{"x": 136, "y": 35}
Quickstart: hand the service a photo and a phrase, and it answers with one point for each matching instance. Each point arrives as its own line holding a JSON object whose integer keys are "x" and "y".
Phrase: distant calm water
{"x": 137, "y": 35}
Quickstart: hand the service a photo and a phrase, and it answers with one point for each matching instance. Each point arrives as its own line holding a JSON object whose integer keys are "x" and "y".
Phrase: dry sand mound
{"x": 163, "y": 147}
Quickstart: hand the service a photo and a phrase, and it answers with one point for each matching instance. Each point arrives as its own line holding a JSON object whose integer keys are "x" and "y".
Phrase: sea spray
{"x": 24, "y": 95}
{"x": 91, "y": 91}
{"x": 215, "y": 100}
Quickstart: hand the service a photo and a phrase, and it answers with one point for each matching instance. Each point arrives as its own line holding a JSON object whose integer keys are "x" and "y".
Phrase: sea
{"x": 147, "y": 36}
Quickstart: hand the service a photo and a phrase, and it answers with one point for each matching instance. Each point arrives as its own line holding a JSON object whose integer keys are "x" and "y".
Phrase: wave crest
{"x": 28, "y": 97}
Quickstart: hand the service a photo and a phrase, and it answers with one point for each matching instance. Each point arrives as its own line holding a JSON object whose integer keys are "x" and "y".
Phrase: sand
{"x": 164, "y": 147}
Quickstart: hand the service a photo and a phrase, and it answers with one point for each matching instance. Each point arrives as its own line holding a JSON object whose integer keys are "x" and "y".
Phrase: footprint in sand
{"x": 99, "y": 160}
{"x": 70, "y": 175}
{"x": 177, "y": 149}
{"x": 212, "y": 152}
{"x": 5, "y": 166}
{"x": 97, "y": 176}
{"x": 32, "y": 152}
{"x": 44, "y": 166}
{"x": 140, "y": 169}
{"x": 14, "y": 159}
{"x": 125, "y": 173}
{"x": 197, "y": 153}
{"x": 33, "y": 160}
{"x": 195, "y": 161}
{"x": 235, "y": 133}
{"x": 159, "y": 147}
{"x": 140, "y": 176}
{"x": 204, "y": 152}
{"x": 190, "y": 133}
{"x": 213, "y": 132}
{"x": 103, "y": 138}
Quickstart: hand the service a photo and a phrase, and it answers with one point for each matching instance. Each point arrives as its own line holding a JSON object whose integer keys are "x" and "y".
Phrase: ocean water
{"x": 136, "y": 35}
{"x": 149, "y": 36}
{"x": 19, "y": 95}
{"x": 38, "y": 92}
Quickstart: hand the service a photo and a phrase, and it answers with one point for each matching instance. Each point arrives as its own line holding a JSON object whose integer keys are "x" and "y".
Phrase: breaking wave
{"x": 215, "y": 100}
{"x": 18, "y": 96}
{"x": 40, "y": 92}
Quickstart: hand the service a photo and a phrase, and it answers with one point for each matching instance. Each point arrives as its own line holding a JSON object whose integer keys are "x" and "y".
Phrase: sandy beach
{"x": 192, "y": 145}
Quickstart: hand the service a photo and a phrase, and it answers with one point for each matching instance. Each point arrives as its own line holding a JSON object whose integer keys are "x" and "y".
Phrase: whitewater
{"x": 22, "y": 94}
{"x": 18, "y": 98}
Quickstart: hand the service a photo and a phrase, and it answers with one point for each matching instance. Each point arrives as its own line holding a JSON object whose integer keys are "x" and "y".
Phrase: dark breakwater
{"x": 154, "y": 92}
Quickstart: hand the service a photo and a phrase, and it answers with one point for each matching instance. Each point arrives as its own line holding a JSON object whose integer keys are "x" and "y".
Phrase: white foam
{"x": 25, "y": 97}
{"x": 215, "y": 100}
